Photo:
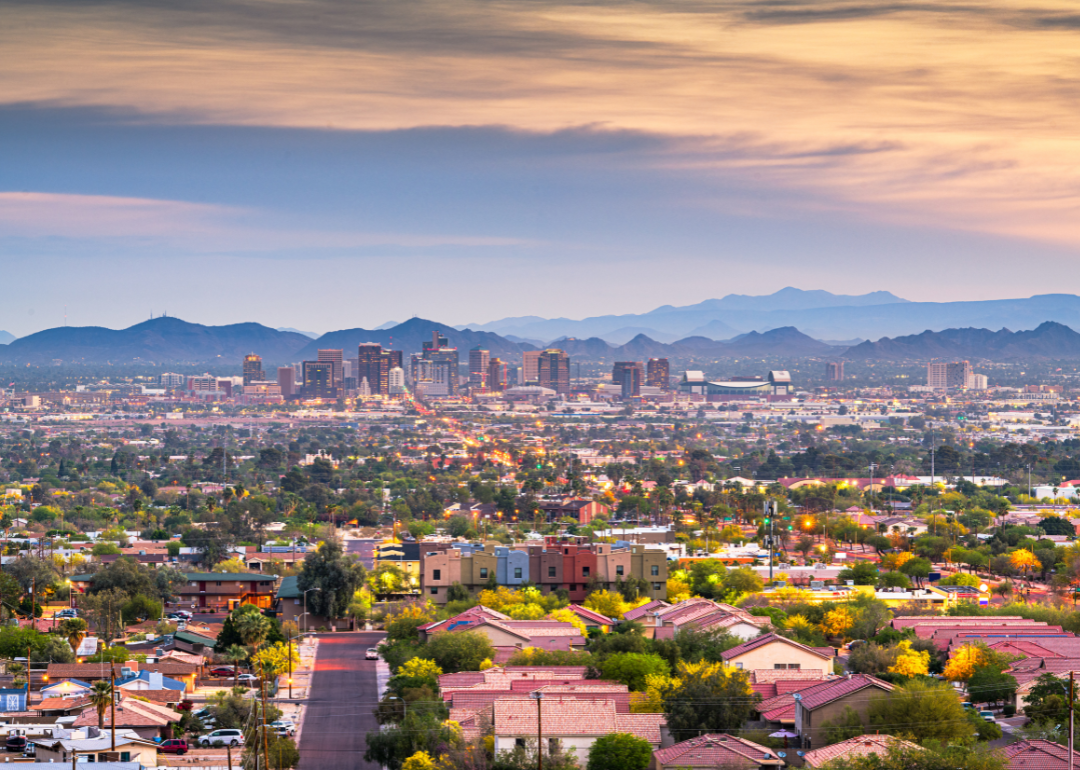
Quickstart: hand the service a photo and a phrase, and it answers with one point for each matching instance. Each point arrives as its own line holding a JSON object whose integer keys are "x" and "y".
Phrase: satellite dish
{"x": 781, "y": 754}
{"x": 801, "y": 753}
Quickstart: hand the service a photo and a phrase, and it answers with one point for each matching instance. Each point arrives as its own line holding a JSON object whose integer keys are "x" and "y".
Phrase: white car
{"x": 371, "y": 654}
{"x": 283, "y": 722}
{"x": 248, "y": 679}
{"x": 225, "y": 737}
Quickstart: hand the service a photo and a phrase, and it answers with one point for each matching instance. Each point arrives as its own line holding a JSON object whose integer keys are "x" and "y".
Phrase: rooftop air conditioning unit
{"x": 125, "y": 671}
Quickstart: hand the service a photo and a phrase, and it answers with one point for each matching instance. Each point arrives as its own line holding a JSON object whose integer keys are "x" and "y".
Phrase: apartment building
{"x": 560, "y": 563}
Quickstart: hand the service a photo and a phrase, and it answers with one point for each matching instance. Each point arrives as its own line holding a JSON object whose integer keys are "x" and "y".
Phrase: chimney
{"x": 156, "y": 681}
{"x": 133, "y": 665}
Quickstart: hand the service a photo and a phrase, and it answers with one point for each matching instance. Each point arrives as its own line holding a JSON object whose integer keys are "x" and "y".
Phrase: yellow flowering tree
{"x": 528, "y": 611}
{"x": 420, "y": 668}
{"x": 910, "y": 662}
{"x": 1022, "y": 559}
{"x": 421, "y": 760}
{"x": 894, "y": 561}
{"x": 274, "y": 659}
{"x": 677, "y": 590}
{"x": 608, "y": 603}
{"x": 485, "y": 664}
{"x": 964, "y": 662}
{"x": 837, "y": 622}
{"x": 651, "y": 700}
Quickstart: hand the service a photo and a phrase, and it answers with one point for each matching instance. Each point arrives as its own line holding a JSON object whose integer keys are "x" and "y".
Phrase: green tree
{"x": 140, "y": 608}
{"x": 708, "y": 699}
{"x": 631, "y": 668}
{"x": 922, "y": 709}
{"x": 990, "y": 684}
{"x": 619, "y": 751}
{"x": 458, "y": 651}
{"x": 236, "y": 655}
{"x": 907, "y": 757}
{"x": 418, "y": 731}
{"x": 74, "y": 630}
{"x": 847, "y": 725}
{"x": 337, "y": 576}
{"x": 863, "y": 573}
{"x": 917, "y": 568}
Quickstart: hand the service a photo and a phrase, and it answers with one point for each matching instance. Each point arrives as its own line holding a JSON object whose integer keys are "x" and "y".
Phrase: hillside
{"x": 410, "y": 336}
{"x": 159, "y": 341}
{"x": 1048, "y": 341}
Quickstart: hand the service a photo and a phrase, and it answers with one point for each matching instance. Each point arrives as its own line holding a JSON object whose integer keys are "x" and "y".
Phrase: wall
{"x": 768, "y": 655}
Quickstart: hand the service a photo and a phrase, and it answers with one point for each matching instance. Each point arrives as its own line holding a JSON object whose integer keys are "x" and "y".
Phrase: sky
{"x": 326, "y": 164}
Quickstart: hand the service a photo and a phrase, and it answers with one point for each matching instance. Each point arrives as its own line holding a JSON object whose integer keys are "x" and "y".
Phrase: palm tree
{"x": 235, "y": 654}
{"x": 253, "y": 627}
{"x": 74, "y": 630}
{"x": 101, "y": 695}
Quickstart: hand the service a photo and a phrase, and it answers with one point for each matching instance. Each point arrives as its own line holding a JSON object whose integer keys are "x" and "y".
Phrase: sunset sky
{"x": 330, "y": 164}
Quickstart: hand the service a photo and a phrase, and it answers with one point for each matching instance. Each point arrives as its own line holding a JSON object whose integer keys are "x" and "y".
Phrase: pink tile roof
{"x": 586, "y": 614}
{"x": 571, "y": 717}
{"x": 862, "y": 746}
{"x": 639, "y": 612}
{"x": 1038, "y": 755}
{"x": 716, "y": 750}
{"x": 783, "y": 674}
{"x": 826, "y": 692}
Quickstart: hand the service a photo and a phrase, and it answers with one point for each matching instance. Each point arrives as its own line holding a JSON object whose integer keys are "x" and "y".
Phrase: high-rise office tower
{"x": 397, "y": 381}
{"x": 496, "y": 378}
{"x": 437, "y": 351}
{"x": 437, "y": 342}
{"x": 253, "y": 371}
{"x": 319, "y": 380}
{"x": 479, "y": 359}
{"x": 627, "y": 375}
{"x": 373, "y": 365}
{"x": 834, "y": 371}
{"x": 336, "y": 358}
{"x": 286, "y": 378}
{"x": 397, "y": 358}
{"x": 658, "y": 373}
{"x": 530, "y": 367}
{"x": 554, "y": 370}
{"x": 949, "y": 375}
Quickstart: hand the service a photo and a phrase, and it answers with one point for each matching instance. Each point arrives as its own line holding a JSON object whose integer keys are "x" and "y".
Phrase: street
{"x": 339, "y": 711}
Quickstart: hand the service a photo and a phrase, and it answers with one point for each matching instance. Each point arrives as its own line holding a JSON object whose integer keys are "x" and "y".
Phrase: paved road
{"x": 339, "y": 712}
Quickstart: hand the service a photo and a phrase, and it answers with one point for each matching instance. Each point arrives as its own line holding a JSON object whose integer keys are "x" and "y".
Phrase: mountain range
{"x": 819, "y": 314}
{"x": 171, "y": 341}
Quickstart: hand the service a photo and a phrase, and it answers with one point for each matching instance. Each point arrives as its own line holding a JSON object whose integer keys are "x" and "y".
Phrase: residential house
{"x": 829, "y": 702}
{"x": 193, "y": 642}
{"x": 592, "y": 620}
{"x": 130, "y": 747}
{"x": 147, "y": 720}
{"x": 569, "y": 724}
{"x": 90, "y": 672}
{"x": 61, "y": 707}
{"x": 715, "y": 750}
{"x": 142, "y": 681}
{"x": 861, "y": 746}
{"x": 224, "y": 592}
{"x": 778, "y": 652}
{"x": 1038, "y": 755}
{"x": 581, "y": 510}
{"x": 405, "y": 556}
{"x": 704, "y": 615}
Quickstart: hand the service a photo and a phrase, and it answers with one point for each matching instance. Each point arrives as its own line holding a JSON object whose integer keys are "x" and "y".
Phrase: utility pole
{"x": 1072, "y": 696}
{"x": 266, "y": 740}
{"x": 538, "y": 696}
{"x": 290, "y": 664}
{"x": 112, "y": 702}
{"x": 228, "y": 754}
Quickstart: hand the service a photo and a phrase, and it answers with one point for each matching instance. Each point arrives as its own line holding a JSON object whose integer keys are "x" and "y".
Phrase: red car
{"x": 174, "y": 746}
{"x": 223, "y": 671}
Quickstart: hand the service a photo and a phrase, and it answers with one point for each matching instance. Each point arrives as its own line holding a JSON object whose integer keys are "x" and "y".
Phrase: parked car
{"x": 283, "y": 732}
{"x": 15, "y": 743}
{"x": 283, "y": 722}
{"x": 222, "y": 671}
{"x": 30, "y": 750}
{"x": 248, "y": 679}
{"x": 372, "y": 653}
{"x": 987, "y": 715}
{"x": 225, "y": 737}
{"x": 967, "y": 706}
{"x": 174, "y": 746}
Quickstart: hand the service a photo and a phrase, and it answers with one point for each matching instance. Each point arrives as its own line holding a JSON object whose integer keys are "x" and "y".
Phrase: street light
{"x": 316, "y": 588}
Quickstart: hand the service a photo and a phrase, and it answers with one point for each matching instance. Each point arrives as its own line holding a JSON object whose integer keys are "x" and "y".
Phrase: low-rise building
{"x": 779, "y": 652}
{"x": 715, "y": 750}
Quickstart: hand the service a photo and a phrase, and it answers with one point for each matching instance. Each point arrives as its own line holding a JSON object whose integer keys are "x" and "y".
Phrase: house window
{"x": 519, "y": 742}
{"x": 483, "y": 573}
{"x": 551, "y": 572}
{"x": 619, "y": 569}
{"x": 434, "y": 591}
{"x": 793, "y": 666}
{"x": 584, "y": 571}
{"x": 218, "y": 583}
{"x": 553, "y": 745}
{"x": 436, "y": 574}
{"x": 655, "y": 570}
{"x": 738, "y": 666}
{"x": 517, "y": 572}
{"x": 656, "y": 586}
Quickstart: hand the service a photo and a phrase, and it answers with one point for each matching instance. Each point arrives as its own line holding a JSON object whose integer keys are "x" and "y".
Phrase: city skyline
{"x": 665, "y": 153}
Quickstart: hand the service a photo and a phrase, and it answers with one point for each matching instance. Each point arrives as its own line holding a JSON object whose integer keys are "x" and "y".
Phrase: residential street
{"x": 339, "y": 711}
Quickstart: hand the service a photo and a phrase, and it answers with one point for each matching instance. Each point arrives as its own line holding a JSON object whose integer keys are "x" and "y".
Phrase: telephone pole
{"x": 112, "y": 702}
{"x": 266, "y": 740}
{"x": 538, "y": 696}
{"x": 1072, "y": 696}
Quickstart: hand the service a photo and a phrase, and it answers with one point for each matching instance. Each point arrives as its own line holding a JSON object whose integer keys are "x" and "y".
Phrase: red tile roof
{"x": 1038, "y": 755}
{"x": 862, "y": 746}
{"x": 826, "y": 692}
{"x": 717, "y": 750}
{"x": 761, "y": 641}
{"x": 571, "y": 717}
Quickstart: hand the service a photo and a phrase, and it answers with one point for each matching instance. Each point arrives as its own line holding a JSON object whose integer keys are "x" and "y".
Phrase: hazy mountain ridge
{"x": 892, "y": 318}
{"x": 1049, "y": 340}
